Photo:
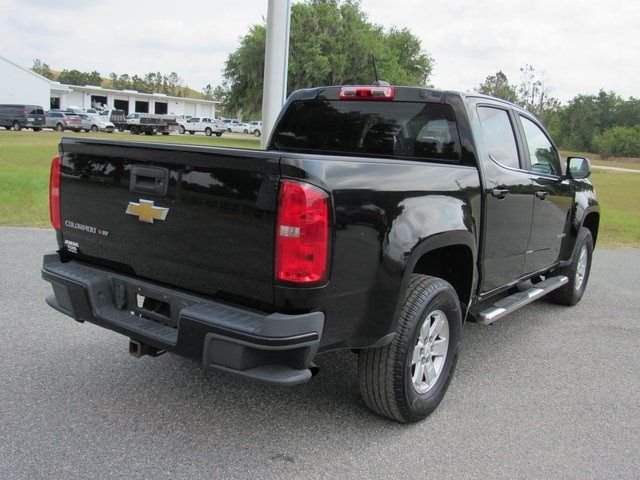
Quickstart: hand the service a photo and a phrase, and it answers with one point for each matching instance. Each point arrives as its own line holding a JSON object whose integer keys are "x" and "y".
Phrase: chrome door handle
{"x": 499, "y": 192}
{"x": 542, "y": 194}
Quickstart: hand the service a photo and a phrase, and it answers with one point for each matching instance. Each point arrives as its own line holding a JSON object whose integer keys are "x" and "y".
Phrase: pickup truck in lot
{"x": 378, "y": 220}
{"x": 208, "y": 126}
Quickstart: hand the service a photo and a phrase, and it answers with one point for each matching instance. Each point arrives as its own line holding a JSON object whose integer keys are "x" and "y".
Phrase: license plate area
{"x": 158, "y": 305}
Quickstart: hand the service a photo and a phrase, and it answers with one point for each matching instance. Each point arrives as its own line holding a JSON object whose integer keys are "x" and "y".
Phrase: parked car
{"x": 21, "y": 116}
{"x": 229, "y": 123}
{"x": 377, "y": 220}
{"x": 255, "y": 128}
{"x": 208, "y": 126}
{"x": 115, "y": 116}
{"x": 94, "y": 123}
{"x": 74, "y": 110}
{"x": 61, "y": 121}
{"x": 238, "y": 128}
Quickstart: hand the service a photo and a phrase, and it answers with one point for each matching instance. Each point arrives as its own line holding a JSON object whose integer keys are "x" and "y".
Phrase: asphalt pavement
{"x": 549, "y": 392}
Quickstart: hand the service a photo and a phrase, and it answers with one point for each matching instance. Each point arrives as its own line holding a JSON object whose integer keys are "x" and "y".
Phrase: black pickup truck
{"x": 379, "y": 219}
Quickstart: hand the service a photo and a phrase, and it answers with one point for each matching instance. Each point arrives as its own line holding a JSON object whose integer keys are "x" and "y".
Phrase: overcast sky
{"x": 580, "y": 45}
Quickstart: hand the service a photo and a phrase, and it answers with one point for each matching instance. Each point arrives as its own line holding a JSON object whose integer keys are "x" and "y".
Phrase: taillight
{"x": 367, "y": 93}
{"x": 54, "y": 192}
{"x": 302, "y": 233}
{"x": 25, "y": 111}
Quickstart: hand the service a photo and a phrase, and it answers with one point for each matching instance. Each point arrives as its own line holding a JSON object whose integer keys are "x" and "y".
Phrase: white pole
{"x": 276, "y": 58}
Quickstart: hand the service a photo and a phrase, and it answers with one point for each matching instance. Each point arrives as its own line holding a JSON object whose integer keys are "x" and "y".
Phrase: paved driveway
{"x": 550, "y": 392}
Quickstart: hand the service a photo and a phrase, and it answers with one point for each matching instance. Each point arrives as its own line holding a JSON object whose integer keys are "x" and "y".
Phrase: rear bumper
{"x": 274, "y": 348}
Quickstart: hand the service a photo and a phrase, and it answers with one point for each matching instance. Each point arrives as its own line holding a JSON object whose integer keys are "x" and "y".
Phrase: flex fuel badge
{"x": 72, "y": 247}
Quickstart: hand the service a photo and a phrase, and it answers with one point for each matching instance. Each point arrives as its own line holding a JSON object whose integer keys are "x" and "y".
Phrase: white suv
{"x": 207, "y": 125}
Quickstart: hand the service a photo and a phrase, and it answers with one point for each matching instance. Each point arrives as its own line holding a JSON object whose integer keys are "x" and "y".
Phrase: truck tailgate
{"x": 201, "y": 218}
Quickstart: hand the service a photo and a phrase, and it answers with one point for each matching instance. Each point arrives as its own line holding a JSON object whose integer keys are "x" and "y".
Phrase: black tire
{"x": 36, "y": 129}
{"x": 245, "y": 131}
{"x": 134, "y": 130}
{"x": 256, "y": 133}
{"x": 208, "y": 132}
{"x": 121, "y": 129}
{"x": 165, "y": 133}
{"x": 229, "y": 130}
{"x": 16, "y": 126}
{"x": 94, "y": 128}
{"x": 571, "y": 293}
{"x": 191, "y": 132}
{"x": 9, "y": 127}
{"x": 218, "y": 134}
{"x": 385, "y": 373}
{"x": 59, "y": 127}
{"x": 181, "y": 130}
{"x": 77, "y": 130}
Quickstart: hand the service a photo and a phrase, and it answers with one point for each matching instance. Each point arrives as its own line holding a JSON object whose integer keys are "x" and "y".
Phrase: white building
{"x": 22, "y": 85}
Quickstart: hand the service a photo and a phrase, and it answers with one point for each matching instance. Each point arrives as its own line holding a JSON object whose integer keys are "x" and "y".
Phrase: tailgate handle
{"x": 146, "y": 179}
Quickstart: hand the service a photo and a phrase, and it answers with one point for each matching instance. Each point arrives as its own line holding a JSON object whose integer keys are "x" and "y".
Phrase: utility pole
{"x": 276, "y": 60}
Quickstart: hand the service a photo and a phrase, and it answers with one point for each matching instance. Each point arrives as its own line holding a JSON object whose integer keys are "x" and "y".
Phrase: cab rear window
{"x": 388, "y": 129}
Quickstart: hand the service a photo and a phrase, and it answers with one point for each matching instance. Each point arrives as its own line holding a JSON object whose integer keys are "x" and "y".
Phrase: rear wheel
{"x": 218, "y": 134}
{"x": 94, "y": 128}
{"x": 134, "y": 130}
{"x": 407, "y": 379}
{"x": 36, "y": 129}
{"x": 16, "y": 126}
{"x": 245, "y": 131}
{"x": 577, "y": 271}
{"x": 256, "y": 132}
{"x": 59, "y": 127}
{"x": 208, "y": 132}
{"x": 181, "y": 130}
{"x": 191, "y": 132}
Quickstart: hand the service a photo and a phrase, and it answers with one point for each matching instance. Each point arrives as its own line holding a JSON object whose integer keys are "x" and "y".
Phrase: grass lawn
{"x": 25, "y": 158}
{"x": 24, "y": 177}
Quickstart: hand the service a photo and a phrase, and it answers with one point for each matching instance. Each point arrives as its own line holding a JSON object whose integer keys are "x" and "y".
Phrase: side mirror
{"x": 578, "y": 167}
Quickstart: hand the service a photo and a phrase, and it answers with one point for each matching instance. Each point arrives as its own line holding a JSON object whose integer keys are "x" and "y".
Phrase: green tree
{"x": 43, "y": 69}
{"x": 534, "y": 94}
{"x": 618, "y": 141}
{"x": 575, "y": 125}
{"x": 207, "y": 92}
{"x": 498, "y": 86}
{"x": 330, "y": 43}
{"x": 76, "y": 77}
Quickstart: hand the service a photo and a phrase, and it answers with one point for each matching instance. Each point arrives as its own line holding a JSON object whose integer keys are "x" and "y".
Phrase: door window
{"x": 499, "y": 137}
{"x": 542, "y": 154}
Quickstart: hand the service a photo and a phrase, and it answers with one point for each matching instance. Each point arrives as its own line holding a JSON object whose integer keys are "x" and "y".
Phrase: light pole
{"x": 276, "y": 59}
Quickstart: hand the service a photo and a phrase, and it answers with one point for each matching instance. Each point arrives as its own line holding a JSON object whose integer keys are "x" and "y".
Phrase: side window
{"x": 543, "y": 155}
{"x": 499, "y": 136}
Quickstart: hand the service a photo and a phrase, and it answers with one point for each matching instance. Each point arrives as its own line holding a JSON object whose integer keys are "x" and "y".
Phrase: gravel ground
{"x": 550, "y": 392}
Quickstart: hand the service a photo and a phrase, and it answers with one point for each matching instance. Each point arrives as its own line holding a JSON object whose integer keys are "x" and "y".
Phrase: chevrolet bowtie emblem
{"x": 146, "y": 211}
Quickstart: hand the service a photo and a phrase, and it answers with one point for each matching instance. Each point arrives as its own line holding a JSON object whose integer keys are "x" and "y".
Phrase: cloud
{"x": 581, "y": 46}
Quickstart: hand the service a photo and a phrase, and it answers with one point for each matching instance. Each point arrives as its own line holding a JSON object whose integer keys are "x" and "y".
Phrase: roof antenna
{"x": 377, "y": 83}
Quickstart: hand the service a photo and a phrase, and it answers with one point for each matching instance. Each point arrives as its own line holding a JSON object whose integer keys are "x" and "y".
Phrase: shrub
{"x": 618, "y": 142}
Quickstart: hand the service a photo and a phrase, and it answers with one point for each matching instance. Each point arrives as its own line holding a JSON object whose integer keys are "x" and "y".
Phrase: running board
{"x": 517, "y": 300}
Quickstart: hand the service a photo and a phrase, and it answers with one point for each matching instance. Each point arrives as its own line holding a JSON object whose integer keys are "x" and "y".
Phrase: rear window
{"x": 35, "y": 110}
{"x": 390, "y": 129}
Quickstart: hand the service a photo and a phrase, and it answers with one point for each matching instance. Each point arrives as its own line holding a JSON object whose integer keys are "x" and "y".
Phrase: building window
{"x": 142, "y": 107}
{"x": 161, "y": 108}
